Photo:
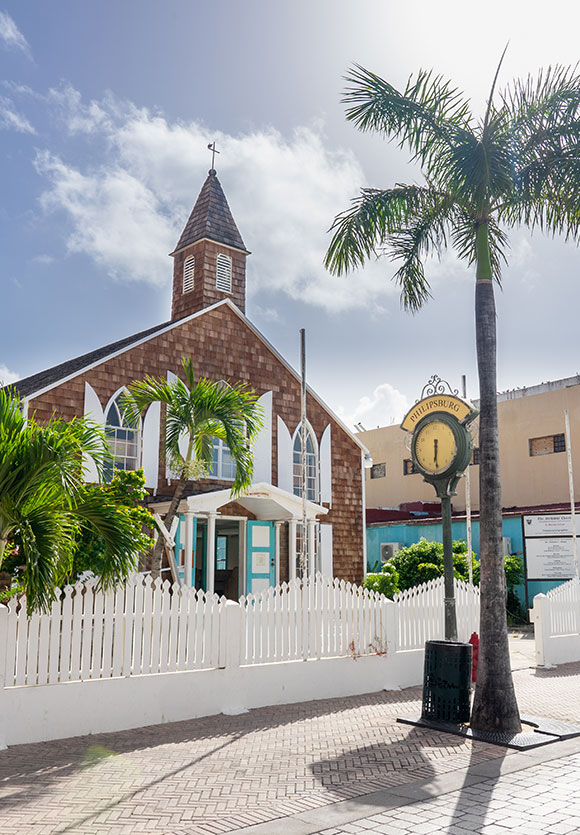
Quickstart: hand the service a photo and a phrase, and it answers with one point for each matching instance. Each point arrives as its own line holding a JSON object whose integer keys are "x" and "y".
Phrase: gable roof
{"x": 211, "y": 218}
{"x": 38, "y": 384}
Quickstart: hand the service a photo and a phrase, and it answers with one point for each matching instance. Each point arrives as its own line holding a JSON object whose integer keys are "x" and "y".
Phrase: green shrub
{"x": 429, "y": 571}
{"x": 423, "y": 561}
{"x": 386, "y": 582}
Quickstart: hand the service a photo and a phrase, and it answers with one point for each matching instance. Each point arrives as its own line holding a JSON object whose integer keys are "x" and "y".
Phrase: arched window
{"x": 311, "y": 465}
{"x": 123, "y": 439}
{"x": 188, "y": 268}
{"x": 223, "y": 279}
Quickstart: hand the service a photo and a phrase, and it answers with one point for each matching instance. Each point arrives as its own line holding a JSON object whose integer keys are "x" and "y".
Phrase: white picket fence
{"x": 306, "y": 620}
{"x": 556, "y": 619}
{"x": 421, "y": 613}
{"x": 150, "y": 651}
{"x": 140, "y": 628}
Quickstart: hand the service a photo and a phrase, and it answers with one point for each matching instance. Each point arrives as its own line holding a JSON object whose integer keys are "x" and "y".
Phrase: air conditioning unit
{"x": 506, "y": 545}
{"x": 389, "y": 549}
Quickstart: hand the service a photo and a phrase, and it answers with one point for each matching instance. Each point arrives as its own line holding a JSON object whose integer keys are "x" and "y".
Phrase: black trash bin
{"x": 446, "y": 681}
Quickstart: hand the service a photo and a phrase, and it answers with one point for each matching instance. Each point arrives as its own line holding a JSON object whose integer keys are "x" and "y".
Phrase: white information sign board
{"x": 550, "y": 558}
{"x": 552, "y": 524}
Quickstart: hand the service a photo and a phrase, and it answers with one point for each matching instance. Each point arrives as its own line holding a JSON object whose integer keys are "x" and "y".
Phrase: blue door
{"x": 260, "y": 556}
{"x": 180, "y": 551}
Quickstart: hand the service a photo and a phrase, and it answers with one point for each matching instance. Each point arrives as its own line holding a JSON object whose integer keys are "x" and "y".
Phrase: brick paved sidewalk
{"x": 537, "y": 799}
{"x": 273, "y": 766}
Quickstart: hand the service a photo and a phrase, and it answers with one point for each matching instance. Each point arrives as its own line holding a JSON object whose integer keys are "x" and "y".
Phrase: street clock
{"x": 441, "y": 443}
{"x": 441, "y": 448}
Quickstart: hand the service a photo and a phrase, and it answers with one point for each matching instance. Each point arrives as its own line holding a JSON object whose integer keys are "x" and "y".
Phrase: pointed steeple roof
{"x": 211, "y": 218}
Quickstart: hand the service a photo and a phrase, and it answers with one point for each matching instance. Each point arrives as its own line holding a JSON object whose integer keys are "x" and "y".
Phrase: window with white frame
{"x": 123, "y": 438}
{"x": 188, "y": 269}
{"x": 223, "y": 278}
{"x": 311, "y": 465}
{"x": 223, "y": 465}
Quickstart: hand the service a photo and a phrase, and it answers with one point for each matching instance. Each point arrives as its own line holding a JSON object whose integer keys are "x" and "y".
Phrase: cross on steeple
{"x": 213, "y": 150}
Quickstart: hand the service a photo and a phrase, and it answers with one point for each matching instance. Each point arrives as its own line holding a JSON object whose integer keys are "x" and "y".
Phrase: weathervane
{"x": 213, "y": 150}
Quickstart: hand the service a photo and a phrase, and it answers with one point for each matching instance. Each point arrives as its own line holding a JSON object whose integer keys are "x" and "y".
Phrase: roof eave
{"x": 213, "y": 241}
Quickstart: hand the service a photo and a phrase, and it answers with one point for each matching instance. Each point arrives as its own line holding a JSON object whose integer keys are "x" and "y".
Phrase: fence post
{"x": 539, "y": 615}
{"x": 391, "y": 637}
{"x": 4, "y": 718}
{"x": 231, "y": 645}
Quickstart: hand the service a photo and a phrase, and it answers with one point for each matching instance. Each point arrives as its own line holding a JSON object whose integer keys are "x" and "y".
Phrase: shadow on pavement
{"x": 65, "y": 767}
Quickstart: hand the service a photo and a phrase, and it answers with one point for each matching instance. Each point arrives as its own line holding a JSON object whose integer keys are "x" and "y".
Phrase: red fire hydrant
{"x": 474, "y": 641}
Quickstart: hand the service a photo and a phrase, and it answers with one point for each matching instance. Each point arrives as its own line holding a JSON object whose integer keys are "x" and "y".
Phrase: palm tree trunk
{"x": 494, "y": 705}
{"x": 156, "y": 559}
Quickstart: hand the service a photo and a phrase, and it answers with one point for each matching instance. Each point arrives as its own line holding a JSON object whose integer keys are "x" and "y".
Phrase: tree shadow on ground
{"x": 411, "y": 766}
{"x": 560, "y": 671}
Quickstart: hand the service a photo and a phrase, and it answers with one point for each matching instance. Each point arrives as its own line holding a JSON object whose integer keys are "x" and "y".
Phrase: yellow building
{"x": 532, "y": 445}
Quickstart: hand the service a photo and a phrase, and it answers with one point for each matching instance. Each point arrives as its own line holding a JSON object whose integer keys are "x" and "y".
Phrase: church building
{"x": 230, "y": 547}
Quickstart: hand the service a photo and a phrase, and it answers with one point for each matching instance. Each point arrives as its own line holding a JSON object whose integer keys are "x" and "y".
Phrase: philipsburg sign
{"x": 451, "y": 405}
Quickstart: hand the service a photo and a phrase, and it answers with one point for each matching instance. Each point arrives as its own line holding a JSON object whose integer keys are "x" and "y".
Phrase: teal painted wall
{"x": 409, "y": 534}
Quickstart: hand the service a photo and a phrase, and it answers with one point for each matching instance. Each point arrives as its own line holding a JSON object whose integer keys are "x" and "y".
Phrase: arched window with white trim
{"x": 123, "y": 438}
{"x": 312, "y": 481}
{"x": 188, "y": 269}
{"x": 223, "y": 279}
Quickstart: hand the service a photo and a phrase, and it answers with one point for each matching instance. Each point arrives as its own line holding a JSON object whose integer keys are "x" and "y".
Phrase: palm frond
{"x": 198, "y": 412}
{"x": 544, "y": 146}
{"x": 114, "y": 524}
{"x": 373, "y": 216}
{"x": 428, "y": 116}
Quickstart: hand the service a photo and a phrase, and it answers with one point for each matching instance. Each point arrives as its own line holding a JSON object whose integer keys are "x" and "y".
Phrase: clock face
{"x": 435, "y": 447}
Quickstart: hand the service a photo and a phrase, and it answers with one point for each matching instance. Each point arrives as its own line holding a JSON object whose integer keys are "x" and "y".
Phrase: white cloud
{"x": 266, "y": 314}
{"x": 115, "y": 218}
{"x": 78, "y": 116}
{"x": 128, "y": 212}
{"x": 386, "y": 405}
{"x": 7, "y": 376}
{"x": 10, "y": 119}
{"x": 11, "y": 35}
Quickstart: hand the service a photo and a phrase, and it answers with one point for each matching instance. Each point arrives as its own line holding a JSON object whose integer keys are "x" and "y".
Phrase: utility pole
{"x": 304, "y": 538}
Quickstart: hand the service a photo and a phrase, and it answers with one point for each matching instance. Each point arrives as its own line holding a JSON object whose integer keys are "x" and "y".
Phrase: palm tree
{"x": 45, "y": 505}
{"x": 520, "y": 165}
{"x": 197, "y": 413}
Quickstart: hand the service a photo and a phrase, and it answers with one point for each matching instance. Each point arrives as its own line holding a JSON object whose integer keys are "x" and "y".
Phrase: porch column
{"x": 210, "y": 565}
{"x": 311, "y": 555}
{"x": 243, "y": 534}
{"x": 188, "y": 567}
{"x": 292, "y": 549}
{"x": 277, "y": 552}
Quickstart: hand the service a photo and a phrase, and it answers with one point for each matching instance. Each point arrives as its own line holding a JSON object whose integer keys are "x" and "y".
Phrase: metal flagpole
{"x": 468, "y": 503}
{"x": 571, "y": 484}
{"x": 304, "y": 538}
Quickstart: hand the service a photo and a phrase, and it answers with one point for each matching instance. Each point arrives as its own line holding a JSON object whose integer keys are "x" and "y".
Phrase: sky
{"x": 106, "y": 110}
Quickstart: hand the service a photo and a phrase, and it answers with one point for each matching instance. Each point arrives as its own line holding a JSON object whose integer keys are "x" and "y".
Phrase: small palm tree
{"x": 44, "y": 503}
{"x": 520, "y": 165}
{"x": 197, "y": 413}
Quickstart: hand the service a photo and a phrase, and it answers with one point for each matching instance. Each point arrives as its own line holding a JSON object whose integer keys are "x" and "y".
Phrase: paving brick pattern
{"x": 222, "y": 773}
{"x": 540, "y": 799}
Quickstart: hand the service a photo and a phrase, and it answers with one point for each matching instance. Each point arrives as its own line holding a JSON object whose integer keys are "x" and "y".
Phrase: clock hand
{"x": 435, "y": 444}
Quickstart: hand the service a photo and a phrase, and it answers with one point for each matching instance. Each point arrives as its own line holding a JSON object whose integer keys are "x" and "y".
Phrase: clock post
{"x": 441, "y": 449}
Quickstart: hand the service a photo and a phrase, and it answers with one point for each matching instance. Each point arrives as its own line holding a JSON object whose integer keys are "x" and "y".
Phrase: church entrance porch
{"x": 241, "y": 547}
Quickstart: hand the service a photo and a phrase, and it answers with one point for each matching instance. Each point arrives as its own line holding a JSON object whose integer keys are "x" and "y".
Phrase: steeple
{"x": 210, "y": 256}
